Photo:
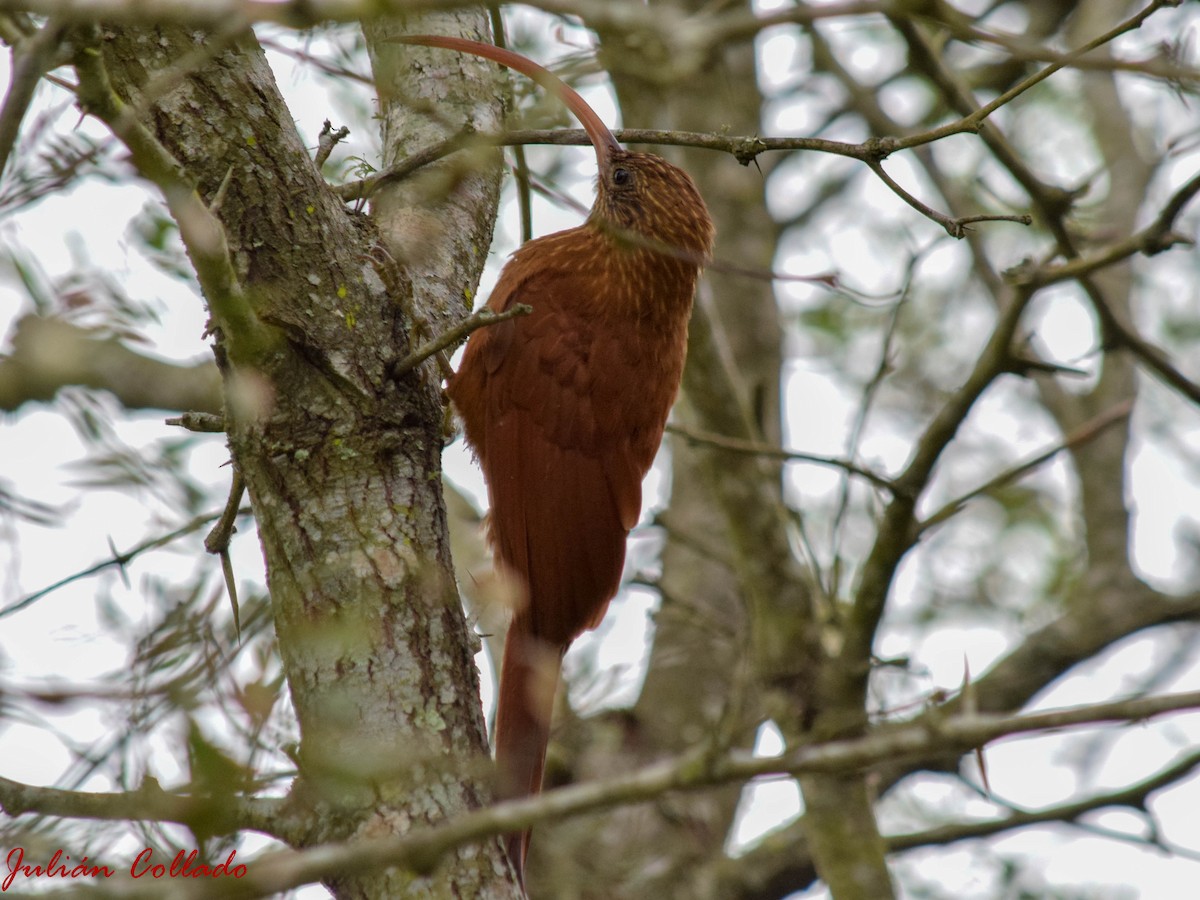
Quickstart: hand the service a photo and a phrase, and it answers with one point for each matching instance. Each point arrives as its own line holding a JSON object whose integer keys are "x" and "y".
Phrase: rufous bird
{"x": 565, "y": 408}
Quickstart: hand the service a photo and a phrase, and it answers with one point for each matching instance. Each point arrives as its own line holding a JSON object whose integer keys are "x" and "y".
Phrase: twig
{"x": 754, "y": 448}
{"x": 418, "y": 851}
{"x": 149, "y": 803}
{"x": 744, "y": 148}
{"x": 310, "y": 59}
{"x": 1154, "y": 238}
{"x": 1086, "y": 432}
{"x": 118, "y": 559}
{"x": 452, "y": 336}
{"x": 1135, "y": 796}
{"x": 956, "y": 228}
{"x": 32, "y": 58}
{"x": 1154, "y": 357}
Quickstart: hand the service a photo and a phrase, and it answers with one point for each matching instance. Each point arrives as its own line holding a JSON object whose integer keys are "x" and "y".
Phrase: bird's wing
{"x": 564, "y": 482}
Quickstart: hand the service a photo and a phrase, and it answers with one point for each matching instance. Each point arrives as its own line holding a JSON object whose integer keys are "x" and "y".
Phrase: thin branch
{"x": 956, "y": 228}
{"x": 973, "y": 121}
{"x": 453, "y": 336}
{"x": 119, "y": 560}
{"x": 744, "y": 148}
{"x": 311, "y": 59}
{"x": 31, "y": 59}
{"x": 1154, "y": 357}
{"x": 150, "y": 802}
{"x": 1086, "y": 432}
{"x": 768, "y": 451}
{"x": 1156, "y": 237}
{"x": 1134, "y": 795}
{"x": 887, "y": 744}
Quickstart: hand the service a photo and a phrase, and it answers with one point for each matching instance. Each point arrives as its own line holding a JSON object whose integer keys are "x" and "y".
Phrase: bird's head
{"x": 641, "y": 199}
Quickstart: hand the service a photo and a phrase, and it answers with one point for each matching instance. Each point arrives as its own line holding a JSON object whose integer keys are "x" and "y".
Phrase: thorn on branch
{"x": 1024, "y": 366}
{"x": 218, "y": 540}
{"x": 746, "y": 151}
{"x": 222, "y": 192}
{"x": 117, "y": 559}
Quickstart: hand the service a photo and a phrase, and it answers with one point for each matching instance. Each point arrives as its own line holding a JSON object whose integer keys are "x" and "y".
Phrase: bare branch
{"x": 1156, "y": 237}
{"x": 453, "y": 336}
{"x": 1084, "y": 433}
{"x": 754, "y": 448}
{"x": 418, "y": 851}
{"x": 1153, "y": 356}
{"x": 119, "y": 559}
{"x": 956, "y": 228}
{"x": 972, "y": 122}
{"x": 148, "y": 803}
{"x": 32, "y": 58}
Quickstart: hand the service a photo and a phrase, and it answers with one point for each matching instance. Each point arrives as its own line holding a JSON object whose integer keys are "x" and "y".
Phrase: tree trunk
{"x": 342, "y": 461}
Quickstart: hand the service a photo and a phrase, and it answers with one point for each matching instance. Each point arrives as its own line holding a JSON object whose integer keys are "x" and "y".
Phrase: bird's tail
{"x": 528, "y": 679}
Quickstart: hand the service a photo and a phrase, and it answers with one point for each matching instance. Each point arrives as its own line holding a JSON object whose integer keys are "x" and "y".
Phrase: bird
{"x": 565, "y": 408}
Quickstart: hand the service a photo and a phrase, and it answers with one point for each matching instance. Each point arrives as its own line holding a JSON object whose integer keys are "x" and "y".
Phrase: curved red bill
{"x": 602, "y": 139}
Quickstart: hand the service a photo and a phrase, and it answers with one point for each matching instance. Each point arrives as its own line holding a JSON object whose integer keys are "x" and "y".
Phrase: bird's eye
{"x": 622, "y": 176}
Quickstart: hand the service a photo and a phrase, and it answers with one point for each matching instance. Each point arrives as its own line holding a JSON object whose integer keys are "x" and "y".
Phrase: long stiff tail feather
{"x": 528, "y": 680}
